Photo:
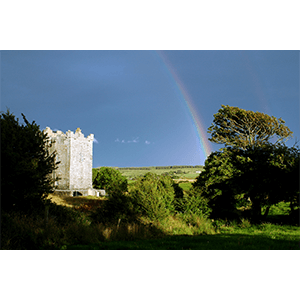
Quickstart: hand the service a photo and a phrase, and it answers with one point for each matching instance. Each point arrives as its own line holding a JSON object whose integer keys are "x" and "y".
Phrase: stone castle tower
{"x": 75, "y": 153}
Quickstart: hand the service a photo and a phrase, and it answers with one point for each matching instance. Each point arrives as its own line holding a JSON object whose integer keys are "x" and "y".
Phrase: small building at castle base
{"x": 75, "y": 154}
{"x": 77, "y": 192}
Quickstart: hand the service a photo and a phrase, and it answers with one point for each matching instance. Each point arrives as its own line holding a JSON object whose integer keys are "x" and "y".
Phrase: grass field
{"x": 277, "y": 232}
{"x": 184, "y": 175}
{"x": 183, "y": 172}
{"x": 274, "y": 234}
{"x": 262, "y": 237}
{"x": 185, "y": 185}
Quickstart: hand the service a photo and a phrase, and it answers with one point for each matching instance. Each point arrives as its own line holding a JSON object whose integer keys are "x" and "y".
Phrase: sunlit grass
{"x": 179, "y": 231}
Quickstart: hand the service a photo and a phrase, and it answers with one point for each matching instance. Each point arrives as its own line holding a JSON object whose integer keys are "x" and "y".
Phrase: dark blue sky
{"x": 130, "y": 103}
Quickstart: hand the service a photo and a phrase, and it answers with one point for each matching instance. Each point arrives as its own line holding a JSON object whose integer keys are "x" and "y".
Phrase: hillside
{"x": 177, "y": 172}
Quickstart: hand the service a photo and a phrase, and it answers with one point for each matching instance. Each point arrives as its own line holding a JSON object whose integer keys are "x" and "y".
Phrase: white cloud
{"x": 95, "y": 141}
{"x": 134, "y": 140}
{"x": 147, "y": 142}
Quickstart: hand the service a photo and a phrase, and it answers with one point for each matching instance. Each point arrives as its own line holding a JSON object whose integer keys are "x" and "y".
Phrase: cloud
{"x": 119, "y": 141}
{"x": 95, "y": 141}
{"x": 147, "y": 142}
{"x": 134, "y": 140}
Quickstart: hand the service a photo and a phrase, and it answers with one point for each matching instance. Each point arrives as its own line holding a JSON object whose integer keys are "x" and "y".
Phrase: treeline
{"x": 159, "y": 168}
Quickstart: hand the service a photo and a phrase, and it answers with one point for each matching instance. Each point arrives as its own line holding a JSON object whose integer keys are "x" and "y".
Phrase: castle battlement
{"x": 68, "y": 134}
{"x": 75, "y": 154}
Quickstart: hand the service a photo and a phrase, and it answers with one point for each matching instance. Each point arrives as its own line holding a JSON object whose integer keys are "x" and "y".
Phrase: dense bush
{"x": 153, "y": 196}
{"x": 109, "y": 179}
{"x": 26, "y": 164}
{"x": 192, "y": 203}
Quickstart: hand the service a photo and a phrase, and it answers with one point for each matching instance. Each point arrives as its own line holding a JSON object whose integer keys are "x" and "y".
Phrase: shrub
{"x": 194, "y": 203}
{"x": 153, "y": 196}
{"x": 199, "y": 224}
{"x": 26, "y": 164}
{"x": 109, "y": 179}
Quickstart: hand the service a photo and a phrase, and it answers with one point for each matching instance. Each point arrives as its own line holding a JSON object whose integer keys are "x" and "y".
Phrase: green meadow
{"x": 275, "y": 233}
{"x": 265, "y": 237}
{"x": 177, "y": 172}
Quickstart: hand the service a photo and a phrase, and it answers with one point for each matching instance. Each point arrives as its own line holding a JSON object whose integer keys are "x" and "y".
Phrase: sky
{"x": 148, "y": 108}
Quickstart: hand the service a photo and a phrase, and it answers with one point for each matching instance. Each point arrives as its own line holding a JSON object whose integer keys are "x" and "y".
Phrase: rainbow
{"x": 205, "y": 148}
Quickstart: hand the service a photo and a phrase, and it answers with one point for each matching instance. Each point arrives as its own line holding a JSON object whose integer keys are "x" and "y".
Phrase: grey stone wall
{"x": 75, "y": 153}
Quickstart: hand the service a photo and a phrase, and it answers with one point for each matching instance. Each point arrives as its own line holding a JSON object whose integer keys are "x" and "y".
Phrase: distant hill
{"x": 157, "y": 167}
{"x": 176, "y": 172}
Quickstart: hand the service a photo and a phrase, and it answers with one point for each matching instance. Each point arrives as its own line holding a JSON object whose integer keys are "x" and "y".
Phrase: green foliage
{"x": 154, "y": 195}
{"x": 215, "y": 183}
{"x": 94, "y": 174}
{"x": 26, "y": 164}
{"x": 250, "y": 167}
{"x": 192, "y": 203}
{"x": 241, "y": 128}
{"x": 109, "y": 179}
{"x": 281, "y": 208}
{"x": 118, "y": 207}
{"x": 266, "y": 175}
{"x": 185, "y": 185}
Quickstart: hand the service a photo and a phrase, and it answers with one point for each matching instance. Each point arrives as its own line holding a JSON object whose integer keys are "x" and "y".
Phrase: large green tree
{"x": 216, "y": 184}
{"x": 242, "y": 128}
{"x": 266, "y": 175}
{"x": 26, "y": 164}
{"x": 250, "y": 166}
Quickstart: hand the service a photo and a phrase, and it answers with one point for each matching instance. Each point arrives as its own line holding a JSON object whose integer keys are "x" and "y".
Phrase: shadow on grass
{"x": 200, "y": 242}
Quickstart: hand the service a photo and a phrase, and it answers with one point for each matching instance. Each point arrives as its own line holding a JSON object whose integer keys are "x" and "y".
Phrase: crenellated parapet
{"x": 68, "y": 134}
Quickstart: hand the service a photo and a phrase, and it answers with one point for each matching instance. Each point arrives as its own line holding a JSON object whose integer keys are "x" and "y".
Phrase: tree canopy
{"x": 109, "y": 179}
{"x": 264, "y": 175}
{"x": 250, "y": 167}
{"x": 26, "y": 164}
{"x": 241, "y": 128}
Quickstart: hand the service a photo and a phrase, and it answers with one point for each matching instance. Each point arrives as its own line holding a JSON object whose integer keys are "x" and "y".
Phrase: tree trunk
{"x": 256, "y": 209}
{"x": 266, "y": 212}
